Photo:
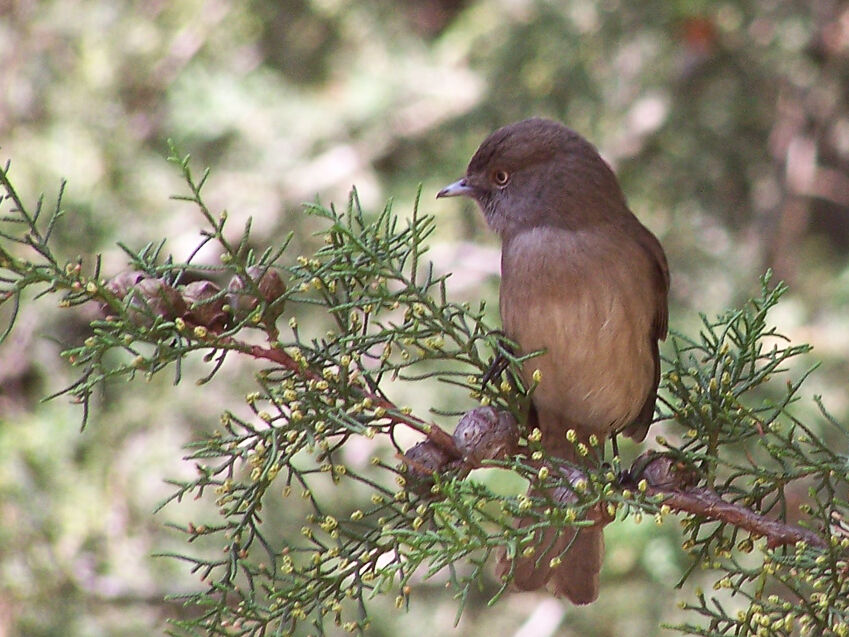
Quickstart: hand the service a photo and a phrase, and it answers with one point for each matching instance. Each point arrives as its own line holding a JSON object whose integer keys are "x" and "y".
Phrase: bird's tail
{"x": 577, "y": 554}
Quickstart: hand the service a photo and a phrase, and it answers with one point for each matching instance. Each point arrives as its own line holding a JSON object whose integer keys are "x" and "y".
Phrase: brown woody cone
{"x": 204, "y": 308}
{"x": 152, "y": 298}
{"x": 271, "y": 287}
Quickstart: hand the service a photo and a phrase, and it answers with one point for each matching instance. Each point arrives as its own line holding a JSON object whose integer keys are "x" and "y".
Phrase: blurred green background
{"x": 727, "y": 122}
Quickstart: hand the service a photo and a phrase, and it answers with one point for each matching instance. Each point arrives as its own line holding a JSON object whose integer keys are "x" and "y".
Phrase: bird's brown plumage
{"x": 584, "y": 280}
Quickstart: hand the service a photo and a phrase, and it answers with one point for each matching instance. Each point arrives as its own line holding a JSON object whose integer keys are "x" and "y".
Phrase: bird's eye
{"x": 500, "y": 178}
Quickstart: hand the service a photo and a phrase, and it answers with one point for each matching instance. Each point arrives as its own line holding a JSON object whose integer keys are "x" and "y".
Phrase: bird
{"x": 583, "y": 280}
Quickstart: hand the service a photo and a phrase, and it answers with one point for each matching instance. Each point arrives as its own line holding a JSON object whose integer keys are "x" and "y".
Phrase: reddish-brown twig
{"x": 705, "y": 502}
{"x": 666, "y": 478}
{"x": 393, "y": 413}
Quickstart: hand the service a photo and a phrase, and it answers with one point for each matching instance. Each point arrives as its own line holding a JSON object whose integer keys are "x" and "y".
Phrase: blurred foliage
{"x": 727, "y": 122}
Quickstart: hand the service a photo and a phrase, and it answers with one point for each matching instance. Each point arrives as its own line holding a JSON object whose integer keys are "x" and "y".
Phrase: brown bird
{"x": 584, "y": 280}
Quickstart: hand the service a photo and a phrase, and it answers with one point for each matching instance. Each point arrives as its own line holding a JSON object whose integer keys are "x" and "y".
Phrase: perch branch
{"x": 666, "y": 478}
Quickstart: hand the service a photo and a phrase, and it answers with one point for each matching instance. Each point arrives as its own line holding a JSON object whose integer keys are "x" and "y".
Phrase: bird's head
{"x": 539, "y": 172}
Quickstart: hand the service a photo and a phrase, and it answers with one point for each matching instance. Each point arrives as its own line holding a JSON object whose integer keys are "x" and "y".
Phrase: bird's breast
{"x": 588, "y": 301}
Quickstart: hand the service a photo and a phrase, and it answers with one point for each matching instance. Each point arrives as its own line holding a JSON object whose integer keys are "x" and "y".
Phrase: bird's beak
{"x": 458, "y": 189}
